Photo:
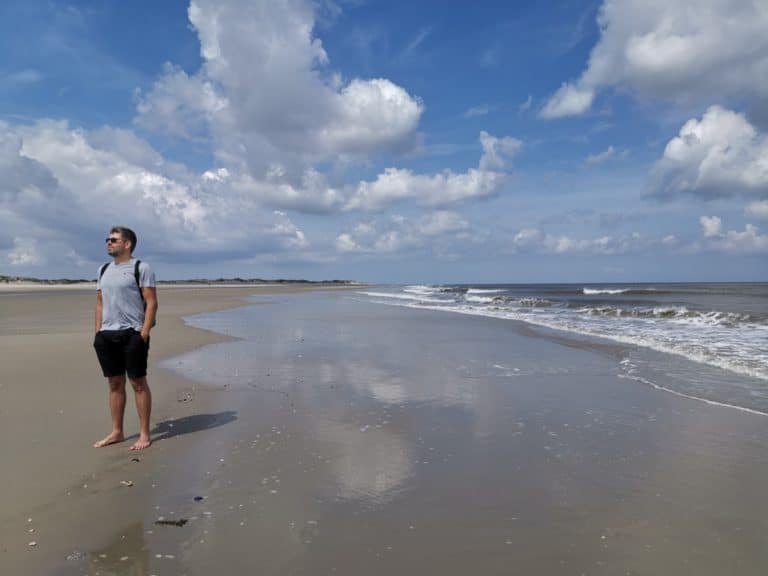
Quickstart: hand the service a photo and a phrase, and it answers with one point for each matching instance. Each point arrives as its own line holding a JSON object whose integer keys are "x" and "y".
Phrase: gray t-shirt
{"x": 122, "y": 306}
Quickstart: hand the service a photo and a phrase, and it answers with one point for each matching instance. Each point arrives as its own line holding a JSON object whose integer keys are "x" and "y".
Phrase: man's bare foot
{"x": 141, "y": 443}
{"x": 113, "y": 438}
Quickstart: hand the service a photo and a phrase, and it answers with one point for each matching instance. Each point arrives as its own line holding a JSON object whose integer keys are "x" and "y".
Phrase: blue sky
{"x": 615, "y": 141}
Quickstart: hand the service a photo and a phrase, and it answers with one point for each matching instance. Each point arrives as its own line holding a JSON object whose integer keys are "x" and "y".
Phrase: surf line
{"x": 690, "y": 397}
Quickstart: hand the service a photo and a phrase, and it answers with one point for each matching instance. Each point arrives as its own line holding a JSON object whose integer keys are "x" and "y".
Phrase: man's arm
{"x": 150, "y": 313}
{"x": 99, "y": 306}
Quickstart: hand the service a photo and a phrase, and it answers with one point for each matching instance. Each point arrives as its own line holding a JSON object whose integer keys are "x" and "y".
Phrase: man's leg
{"x": 116, "y": 409}
{"x": 144, "y": 408}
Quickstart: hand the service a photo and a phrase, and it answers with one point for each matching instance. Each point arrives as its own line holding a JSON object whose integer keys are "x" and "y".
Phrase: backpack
{"x": 136, "y": 275}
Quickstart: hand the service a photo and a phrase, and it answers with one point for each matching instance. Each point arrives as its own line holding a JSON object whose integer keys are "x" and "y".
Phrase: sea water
{"x": 704, "y": 341}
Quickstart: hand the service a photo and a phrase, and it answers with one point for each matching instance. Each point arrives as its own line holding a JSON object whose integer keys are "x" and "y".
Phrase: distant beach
{"x": 306, "y": 431}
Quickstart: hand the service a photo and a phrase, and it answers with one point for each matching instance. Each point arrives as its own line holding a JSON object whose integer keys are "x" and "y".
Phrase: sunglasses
{"x": 112, "y": 240}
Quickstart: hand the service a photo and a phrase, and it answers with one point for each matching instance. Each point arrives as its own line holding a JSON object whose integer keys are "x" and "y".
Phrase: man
{"x": 126, "y": 308}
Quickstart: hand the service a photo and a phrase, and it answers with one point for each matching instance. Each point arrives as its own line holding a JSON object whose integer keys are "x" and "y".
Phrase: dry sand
{"x": 347, "y": 438}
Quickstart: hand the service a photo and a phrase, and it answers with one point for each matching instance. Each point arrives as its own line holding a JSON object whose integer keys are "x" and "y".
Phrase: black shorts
{"x": 122, "y": 351}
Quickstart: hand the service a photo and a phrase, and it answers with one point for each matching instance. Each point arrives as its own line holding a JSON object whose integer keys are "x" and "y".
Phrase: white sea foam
{"x": 533, "y": 302}
{"x": 414, "y": 298}
{"x": 478, "y": 299}
{"x": 484, "y": 291}
{"x": 593, "y": 291}
{"x": 678, "y": 314}
{"x": 669, "y": 330}
{"x": 420, "y": 289}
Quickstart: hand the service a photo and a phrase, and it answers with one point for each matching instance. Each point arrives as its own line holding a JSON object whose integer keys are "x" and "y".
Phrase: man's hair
{"x": 127, "y": 234}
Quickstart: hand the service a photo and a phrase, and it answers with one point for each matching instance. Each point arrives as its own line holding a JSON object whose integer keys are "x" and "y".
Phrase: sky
{"x": 388, "y": 141}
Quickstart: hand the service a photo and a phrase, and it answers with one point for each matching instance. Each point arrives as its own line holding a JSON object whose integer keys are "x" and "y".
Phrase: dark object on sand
{"x": 198, "y": 498}
{"x": 180, "y": 522}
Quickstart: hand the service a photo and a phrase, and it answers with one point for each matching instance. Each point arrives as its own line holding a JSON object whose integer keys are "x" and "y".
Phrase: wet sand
{"x": 333, "y": 436}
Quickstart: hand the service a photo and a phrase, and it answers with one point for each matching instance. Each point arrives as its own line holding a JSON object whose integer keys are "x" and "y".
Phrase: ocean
{"x": 708, "y": 342}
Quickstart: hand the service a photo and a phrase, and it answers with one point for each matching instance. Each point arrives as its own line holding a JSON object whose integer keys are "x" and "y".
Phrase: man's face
{"x": 116, "y": 245}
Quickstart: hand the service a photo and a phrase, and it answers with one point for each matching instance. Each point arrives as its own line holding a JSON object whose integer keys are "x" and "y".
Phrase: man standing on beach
{"x": 126, "y": 307}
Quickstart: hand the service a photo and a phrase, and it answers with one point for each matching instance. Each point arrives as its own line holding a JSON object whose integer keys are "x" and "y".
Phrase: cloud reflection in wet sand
{"x": 370, "y": 463}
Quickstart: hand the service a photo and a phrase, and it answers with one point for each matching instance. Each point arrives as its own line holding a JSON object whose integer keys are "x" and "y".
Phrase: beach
{"x": 306, "y": 431}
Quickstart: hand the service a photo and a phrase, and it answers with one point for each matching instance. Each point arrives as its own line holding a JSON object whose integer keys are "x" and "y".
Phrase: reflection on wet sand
{"x": 369, "y": 463}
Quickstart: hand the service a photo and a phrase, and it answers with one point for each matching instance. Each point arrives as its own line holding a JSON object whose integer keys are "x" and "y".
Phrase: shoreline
{"x": 53, "y": 396}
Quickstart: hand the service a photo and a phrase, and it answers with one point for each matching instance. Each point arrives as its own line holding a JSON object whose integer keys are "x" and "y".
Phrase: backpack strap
{"x": 137, "y": 276}
{"x": 102, "y": 270}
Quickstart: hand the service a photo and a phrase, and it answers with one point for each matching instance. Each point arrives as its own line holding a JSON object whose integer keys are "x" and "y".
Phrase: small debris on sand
{"x": 180, "y": 522}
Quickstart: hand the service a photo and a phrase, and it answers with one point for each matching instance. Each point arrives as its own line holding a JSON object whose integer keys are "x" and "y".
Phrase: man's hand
{"x": 145, "y": 335}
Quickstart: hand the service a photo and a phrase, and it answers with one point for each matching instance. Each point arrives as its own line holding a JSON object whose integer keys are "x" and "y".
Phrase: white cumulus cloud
{"x": 476, "y": 111}
{"x": 63, "y": 187}
{"x": 277, "y": 115}
{"x": 398, "y": 233}
{"x": 758, "y": 209}
{"x": 396, "y": 184}
{"x": 267, "y": 96}
{"x": 371, "y": 116}
{"x": 442, "y": 222}
{"x": 685, "y": 51}
{"x": 749, "y": 241}
{"x": 569, "y": 100}
{"x": 535, "y": 240}
{"x": 179, "y": 104}
{"x": 284, "y": 229}
{"x": 25, "y": 253}
{"x": 601, "y": 157}
{"x": 447, "y": 187}
{"x": 497, "y": 152}
{"x": 711, "y": 226}
{"x": 720, "y": 155}
{"x": 733, "y": 241}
